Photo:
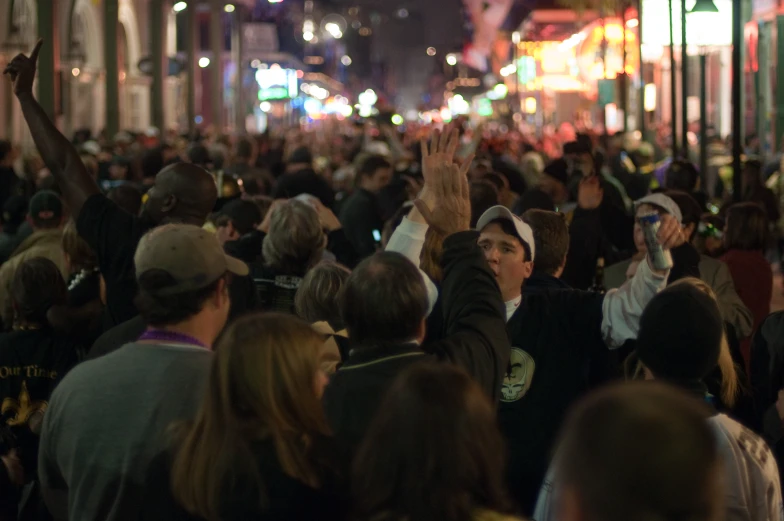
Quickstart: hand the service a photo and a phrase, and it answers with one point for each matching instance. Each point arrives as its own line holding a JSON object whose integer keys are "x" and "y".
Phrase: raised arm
{"x": 58, "y": 153}
{"x": 475, "y": 334}
{"x": 623, "y": 307}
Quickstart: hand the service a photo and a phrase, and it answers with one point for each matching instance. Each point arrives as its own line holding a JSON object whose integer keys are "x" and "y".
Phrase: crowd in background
{"x": 357, "y": 321}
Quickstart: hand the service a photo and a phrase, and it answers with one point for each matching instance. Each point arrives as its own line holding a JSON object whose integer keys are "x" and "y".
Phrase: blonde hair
{"x": 730, "y": 386}
{"x": 261, "y": 387}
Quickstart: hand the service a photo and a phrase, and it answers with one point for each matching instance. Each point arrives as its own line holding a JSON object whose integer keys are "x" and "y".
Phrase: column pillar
{"x": 48, "y": 57}
{"x": 111, "y": 12}
{"x": 160, "y": 61}
{"x": 236, "y": 53}
{"x": 190, "y": 67}
{"x": 216, "y": 66}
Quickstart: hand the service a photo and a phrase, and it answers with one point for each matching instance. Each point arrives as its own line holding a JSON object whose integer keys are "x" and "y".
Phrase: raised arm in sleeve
{"x": 408, "y": 239}
{"x": 475, "y": 335}
{"x": 60, "y": 156}
{"x": 623, "y": 307}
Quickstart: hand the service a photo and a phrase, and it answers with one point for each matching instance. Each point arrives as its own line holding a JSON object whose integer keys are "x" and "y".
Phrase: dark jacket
{"x": 556, "y": 343}
{"x": 539, "y": 282}
{"x": 287, "y": 499}
{"x": 474, "y": 338}
{"x": 360, "y": 217}
{"x": 767, "y": 378}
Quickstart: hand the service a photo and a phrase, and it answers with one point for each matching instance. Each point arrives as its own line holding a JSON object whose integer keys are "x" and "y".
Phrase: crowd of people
{"x": 376, "y": 324}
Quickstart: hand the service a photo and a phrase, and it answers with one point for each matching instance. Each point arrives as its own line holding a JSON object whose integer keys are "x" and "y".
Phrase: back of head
{"x": 534, "y": 199}
{"x": 747, "y": 227}
{"x": 551, "y": 240}
{"x": 37, "y": 286}
{"x": 193, "y": 188}
{"x": 262, "y": 388}
{"x": 384, "y": 301}
{"x": 370, "y": 165}
{"x": 127, "y": 197}
{"x": 244, "y": 215}
{"x": 295, "y": 241}
{"x": 14, "y": 213}
{"x": 681, "y": 331}
{"x": 318, "y": 294}
{"x": 152, "y": 162}
{"x": 46, "y": 210}
{"x": 243, "y": 150}
{"x": 639, "y": 451}
{"x": 681, "y": 175}
{"x": 432, "y": 452}
{"x": 484, "y": 195}
{"x": 179, "y": 268}
{"x": 199, "y": 155}
{"x": 300, "y": 156}
{"x": 79, "y": 254}
{"x": 690, "y": 209}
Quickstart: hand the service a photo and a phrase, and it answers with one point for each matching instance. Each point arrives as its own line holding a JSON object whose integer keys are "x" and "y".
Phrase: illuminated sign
{"x": 276, "y": 83}
{"x": 594, "y": 64}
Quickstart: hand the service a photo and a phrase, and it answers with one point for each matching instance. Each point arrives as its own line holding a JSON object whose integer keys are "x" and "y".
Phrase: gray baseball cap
{"x": 192, "y": 256}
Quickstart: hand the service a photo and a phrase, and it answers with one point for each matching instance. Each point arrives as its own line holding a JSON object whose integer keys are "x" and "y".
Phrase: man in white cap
{"x": 553, "y": 333}
{"x": 108, "y": 417}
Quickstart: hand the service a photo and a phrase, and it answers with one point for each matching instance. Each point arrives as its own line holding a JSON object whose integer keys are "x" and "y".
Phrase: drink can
{"x": 661, "y": 258}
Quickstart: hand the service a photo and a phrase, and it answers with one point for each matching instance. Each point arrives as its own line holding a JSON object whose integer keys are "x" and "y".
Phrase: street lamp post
{"x": 515, "y": 58}
{"x": 673, "y": 94}
{"x": 737, "y": 109}
{"x": 703, "y": 8}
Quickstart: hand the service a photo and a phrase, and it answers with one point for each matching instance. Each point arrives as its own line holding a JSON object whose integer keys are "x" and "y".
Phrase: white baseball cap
{"x": 524, "y": 231}
{"x": 664, "y": 202}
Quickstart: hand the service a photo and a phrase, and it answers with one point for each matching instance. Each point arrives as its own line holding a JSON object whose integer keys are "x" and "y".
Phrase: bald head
{"x": 183, "y": 192}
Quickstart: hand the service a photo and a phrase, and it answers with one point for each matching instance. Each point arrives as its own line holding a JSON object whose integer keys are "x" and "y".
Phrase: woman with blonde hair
{"x": 260, "y": 447}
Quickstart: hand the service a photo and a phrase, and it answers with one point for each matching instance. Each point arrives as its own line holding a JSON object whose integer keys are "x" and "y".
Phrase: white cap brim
{"x": 524, "y": 231}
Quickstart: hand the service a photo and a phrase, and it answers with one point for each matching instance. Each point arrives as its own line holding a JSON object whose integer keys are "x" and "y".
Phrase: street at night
{"x": 391, "y": 260}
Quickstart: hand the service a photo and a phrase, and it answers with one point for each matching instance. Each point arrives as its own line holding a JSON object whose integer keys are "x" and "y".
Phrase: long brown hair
{"x": 261, "y": 387}
{"x": 433, "y": 451}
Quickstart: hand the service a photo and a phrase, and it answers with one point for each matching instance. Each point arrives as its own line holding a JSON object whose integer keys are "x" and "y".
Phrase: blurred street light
{"x": 431, "y": 51}
{"x": 346, "y": 60}
{"x": 516, "y": 37}
{"x": 365, "y": 31}
{"x": 451, "y": 59}
{"x": 179, "y": 6}
{"x": 229, "y": 8}
{"x": 402, "y": 13}
{"x": 204, "y": 62}
{"x": 265, "y": 106}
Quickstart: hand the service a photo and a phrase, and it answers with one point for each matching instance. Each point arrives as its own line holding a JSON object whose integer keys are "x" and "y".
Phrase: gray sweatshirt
{"x": 105, "y": 422}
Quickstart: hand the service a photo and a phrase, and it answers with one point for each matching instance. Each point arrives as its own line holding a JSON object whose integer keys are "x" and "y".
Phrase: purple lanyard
{"x": 160, "y": 335}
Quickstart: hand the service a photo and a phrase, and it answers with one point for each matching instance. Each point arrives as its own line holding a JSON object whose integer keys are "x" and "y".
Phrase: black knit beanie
{"x": 680, "y": 334}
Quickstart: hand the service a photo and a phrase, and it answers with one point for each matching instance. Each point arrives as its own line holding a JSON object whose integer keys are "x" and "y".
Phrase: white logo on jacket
{"x": 519, "y": 375}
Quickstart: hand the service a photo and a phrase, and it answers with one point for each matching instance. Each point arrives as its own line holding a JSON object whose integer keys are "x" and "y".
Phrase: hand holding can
{"x": 661, "y": 258}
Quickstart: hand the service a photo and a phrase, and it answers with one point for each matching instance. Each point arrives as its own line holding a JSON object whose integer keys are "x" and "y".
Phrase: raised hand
{"x": 21, "y": 70}
{"x": 441, "y": 151}
{"x": 452, "y": 211}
